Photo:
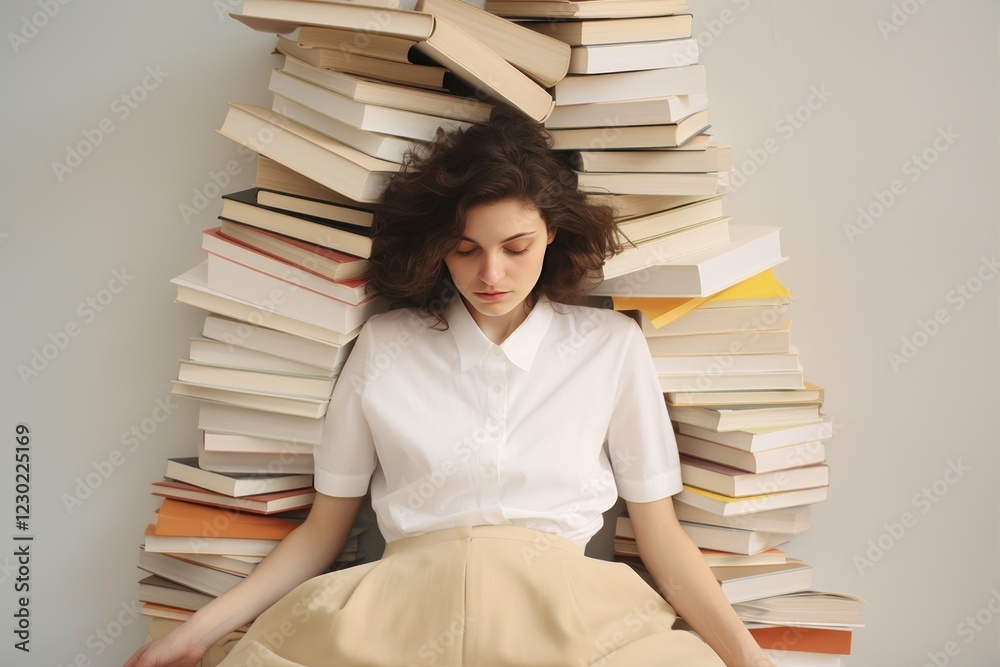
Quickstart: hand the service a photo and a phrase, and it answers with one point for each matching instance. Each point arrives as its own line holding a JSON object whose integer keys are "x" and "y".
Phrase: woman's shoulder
{"x": 398, "y": 323}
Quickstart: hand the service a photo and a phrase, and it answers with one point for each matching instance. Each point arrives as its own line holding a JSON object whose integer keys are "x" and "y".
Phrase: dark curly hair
{"x": 422, "y": 212}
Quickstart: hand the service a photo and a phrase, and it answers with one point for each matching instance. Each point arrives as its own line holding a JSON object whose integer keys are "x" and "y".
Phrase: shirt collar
{"x": 520, "y": 346}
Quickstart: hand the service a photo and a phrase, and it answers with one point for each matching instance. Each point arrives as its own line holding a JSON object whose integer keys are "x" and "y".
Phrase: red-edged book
{"x": 265, "y": 503}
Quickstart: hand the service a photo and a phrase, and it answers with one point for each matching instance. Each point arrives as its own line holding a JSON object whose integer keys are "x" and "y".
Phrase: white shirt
{"x": 544, "y": 431}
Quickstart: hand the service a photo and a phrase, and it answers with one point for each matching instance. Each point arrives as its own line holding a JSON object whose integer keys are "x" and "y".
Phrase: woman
{"x": 494, "y": 424}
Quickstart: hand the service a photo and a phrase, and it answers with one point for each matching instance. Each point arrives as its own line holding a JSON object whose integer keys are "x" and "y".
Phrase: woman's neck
{"x": 498, "y": 328}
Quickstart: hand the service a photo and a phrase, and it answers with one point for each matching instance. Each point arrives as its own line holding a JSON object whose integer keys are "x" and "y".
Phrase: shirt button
{"x": 496, "y": 389}
{"x": 488, "y": 471}
{"x": 495, "y": 434}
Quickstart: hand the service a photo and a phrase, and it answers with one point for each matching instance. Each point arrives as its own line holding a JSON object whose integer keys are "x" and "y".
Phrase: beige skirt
{"x": 481, "y": 595}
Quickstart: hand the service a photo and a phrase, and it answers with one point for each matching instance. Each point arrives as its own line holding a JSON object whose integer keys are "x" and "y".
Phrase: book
{"x": 734, "y": 363}
{"x": 614, "y": 31}
{"x": 553, "y": 9}
{"x": 183, "y": 518}
{"x": 664, "y": 122}
{"x": 633, "y": 56}
{"x": 611, "y": 133}
{"x": 209, "y": 581}
{"x": 386, "y": 47}
{"x": 157, "y": 590}
{"x": 288, "y": 298}
{"x": 332, "y": 265}
{"x": 627, "y": 207}
{"x": 271, "y": 175}
{"x": 318, "y": 157}
{"x": 740, "y": 584}
{"x": 248, "y": 444}
{"x": 217, "y": 353}
{"x": 240, "y": 565}
{"x": 716, "y": 157}
{"x": 768, "y": 460}
{"x": 317, "y": 208}
{"x": 661, "y": 222}
{"x": 408, "y": 73}
{"x": 773, "y": 341}
{"x": 276, "y": 343}
{"x": 643, "y": 183}
{"x": 750, "y": 250}
{"x": 238, "y": 546}
{"x": 376, "y": 93}
{"x": 713, "y": 381}
{"x": 672, "y": 244}
{"x": 752, "y": 319}
{"x": 782, "y": 658}
{"x": 741, "y": 417}
{"x": 726, "y": 506}
{"x": 255, "y": 462}
{"x": 354, "y": 291}
{"x": 314, "y": 386}
{"x": 772, "y": 556}
{"x": 361, "y": 115}
{"x": 726, "y": 539}
{"x": 274, "y": 5}
{"x": 192, "y": 289}
{"x": 382, "y": 146}
{"x": 618, "y": 86}
{"x": 758, "y": 439}
{"x": 835, "y": 641}
{"x": 810, "y": 394}
{"x": 264, "y": 503}
{"x": 436, "y": 38}
{"x": 540, "y": 57}
{"x": 788, "y": 521}
{"x": 285, "y": 404}
{"x": 237, "y": 485}
{"x": 737, "y": 483}
{"x": 243, "y": 207}
{"x": 805, "y": 609}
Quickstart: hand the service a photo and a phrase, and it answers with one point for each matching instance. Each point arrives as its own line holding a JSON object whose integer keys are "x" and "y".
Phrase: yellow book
{"x": 661, "y": 312}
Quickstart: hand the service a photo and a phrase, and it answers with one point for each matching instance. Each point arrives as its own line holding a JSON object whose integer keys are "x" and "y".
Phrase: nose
{"x": 491, "y": 271}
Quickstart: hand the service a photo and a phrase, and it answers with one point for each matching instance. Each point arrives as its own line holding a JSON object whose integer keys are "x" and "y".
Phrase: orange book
{"x": 811, "y": 640}
{"x": 180, "y": 518}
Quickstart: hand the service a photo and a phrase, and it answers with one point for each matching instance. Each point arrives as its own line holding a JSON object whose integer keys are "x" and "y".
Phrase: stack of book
{"x": 631, "y": 118}
{"x": 212, "y": 529}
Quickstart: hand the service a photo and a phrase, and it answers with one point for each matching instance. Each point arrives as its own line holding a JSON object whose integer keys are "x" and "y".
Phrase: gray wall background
{"x": 833, "y": 109}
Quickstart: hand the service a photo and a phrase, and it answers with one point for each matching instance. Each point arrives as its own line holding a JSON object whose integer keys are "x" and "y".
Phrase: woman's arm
{"x": 687, "y": 583}
{"x": 304, "y": 553}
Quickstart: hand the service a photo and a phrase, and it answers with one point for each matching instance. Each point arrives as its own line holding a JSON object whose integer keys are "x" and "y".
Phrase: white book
{"x": 759, "y": 439}
{"x": 768, "y": 460}
{"x": 277, "y": 343}
{"x": 248, "y": 444}
{"x": 678, "y": 243}
{"x": 255, "y": 463}
{"x": 586, "y": 88}
{"x": 385, "y": 120}
{"x": 614, "y": 115}
{"x": 789, "y": 520}
{"x": 750, "y": 250}
{"x": 208, "y": 351}
{"x": 313, "y": 386}
{"x": 626, "y": 57}
{"x": 735, "y": 363}
{"x": 378, "y": 145}
{"x": 287, "y": 298}
{"x": 732, "y": 382}
{"x": 286, "y": 404}
{"x": 623, "y": 183}
{"x": 771, "y": 341}
{"x": 230, "y": 419}
{"x": 722, "y": 320}
{"x": 352, "y": 292}
{"x": 192, "y": 289}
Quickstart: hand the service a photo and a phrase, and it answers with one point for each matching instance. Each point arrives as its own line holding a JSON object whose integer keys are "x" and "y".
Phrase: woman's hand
{"x": 170, "y": 649}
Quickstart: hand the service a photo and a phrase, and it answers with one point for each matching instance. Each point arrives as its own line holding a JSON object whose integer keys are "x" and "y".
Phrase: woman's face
{"x": 499, "y": 257}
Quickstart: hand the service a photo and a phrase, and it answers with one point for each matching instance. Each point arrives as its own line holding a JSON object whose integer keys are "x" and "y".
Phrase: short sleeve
{"x": 346, "y": 459}
{"x": 641, "y": 441}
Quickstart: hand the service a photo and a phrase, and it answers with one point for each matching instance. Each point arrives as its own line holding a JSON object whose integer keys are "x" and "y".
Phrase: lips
{"x": 491, "y": 296}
